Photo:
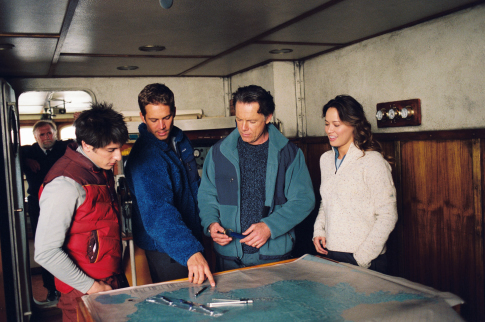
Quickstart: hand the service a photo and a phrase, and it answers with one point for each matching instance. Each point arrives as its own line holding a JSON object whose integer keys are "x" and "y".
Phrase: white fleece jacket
{"x": 358, "y": 209}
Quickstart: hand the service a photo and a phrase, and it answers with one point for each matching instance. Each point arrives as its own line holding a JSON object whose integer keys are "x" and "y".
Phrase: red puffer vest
{"x": 93, "y": 242}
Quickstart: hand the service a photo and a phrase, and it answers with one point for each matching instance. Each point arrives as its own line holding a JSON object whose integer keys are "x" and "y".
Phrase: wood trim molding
{"x": 432, "y": 135}
{"x": 133, "y": 56}
{"x": 478, "y": 206}
{"x": 297, "y": 43}
{"x": 414, "y": 136}
{"x": 28, "y": 35}
{"x": 71, "y": 8}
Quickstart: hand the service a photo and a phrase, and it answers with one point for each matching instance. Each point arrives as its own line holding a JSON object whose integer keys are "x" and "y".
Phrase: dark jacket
{"x": 164, "y": 187}
{"x": 34, "y": 152}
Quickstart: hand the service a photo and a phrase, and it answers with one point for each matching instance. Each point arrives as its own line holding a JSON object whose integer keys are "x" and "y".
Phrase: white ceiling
{"x": 62, "y": 38}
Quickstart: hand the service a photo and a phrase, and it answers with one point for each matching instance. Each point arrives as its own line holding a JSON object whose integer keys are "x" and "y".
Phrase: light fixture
{"x": 127, "y": 67}
{"x": 399, "y": 113}
{"x": 281, "y": 51}
{"x": 406, "y": 112}
{"x": 151, "y": 48}
{"x": 6, "y": 46}
{"x": 380, "y": 114}
{"x": 391, "y": 114}
{"x": 166, "y": 4}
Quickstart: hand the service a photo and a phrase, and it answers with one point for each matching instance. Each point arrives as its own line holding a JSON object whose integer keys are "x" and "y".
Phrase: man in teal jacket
{"x": 255, "y": 187}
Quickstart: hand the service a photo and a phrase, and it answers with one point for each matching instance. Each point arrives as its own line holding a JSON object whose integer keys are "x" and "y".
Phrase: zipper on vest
{"x": 93, "y": 246}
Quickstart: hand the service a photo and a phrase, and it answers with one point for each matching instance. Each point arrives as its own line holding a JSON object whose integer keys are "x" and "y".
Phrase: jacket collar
{"x": 37, "y": 146}
{"x": 352, "y": 154}
{"x": 175, "y": 134}
{"x": 73, "y": 152}
{"x": 276, "y": 139}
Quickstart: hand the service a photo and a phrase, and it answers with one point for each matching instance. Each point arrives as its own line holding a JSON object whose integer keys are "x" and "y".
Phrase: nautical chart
{"x": 308, "y": 289}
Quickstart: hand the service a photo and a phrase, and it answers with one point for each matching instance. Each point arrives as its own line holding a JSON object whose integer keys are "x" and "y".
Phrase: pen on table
{"x": 228, "y": 302}
{"x": 202, "y": 290}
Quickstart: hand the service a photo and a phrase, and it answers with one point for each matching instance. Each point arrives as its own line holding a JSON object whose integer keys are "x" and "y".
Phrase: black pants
{"x": 379, "y": 264}
{"x": 34, "y": 211}
{"x": 163, "y": 268}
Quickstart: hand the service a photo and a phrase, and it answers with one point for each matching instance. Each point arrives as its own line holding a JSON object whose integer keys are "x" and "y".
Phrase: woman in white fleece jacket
{"x": 358, "y": 209}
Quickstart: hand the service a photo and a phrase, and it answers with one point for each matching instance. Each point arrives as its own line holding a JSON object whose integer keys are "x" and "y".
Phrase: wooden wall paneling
{"x": 439, "y": 216}
{"x": 481, "y": 266}
{"x": 478, "y": 199}
{"x": 432, "y": 135}
{"x": 394, "y": 243}
{"x": 299, "y": 143}
{"x": 313, "y": 150}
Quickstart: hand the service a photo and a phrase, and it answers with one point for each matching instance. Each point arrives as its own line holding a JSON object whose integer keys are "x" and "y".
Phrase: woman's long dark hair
{"x": 352, "y": 113}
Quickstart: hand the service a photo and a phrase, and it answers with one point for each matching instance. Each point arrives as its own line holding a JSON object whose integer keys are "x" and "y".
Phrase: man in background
{"x": 37, "y": 160}
{"x": 78, "y": 236}
{"x": 162, "y": 176}
{"x": 255, "y": 183}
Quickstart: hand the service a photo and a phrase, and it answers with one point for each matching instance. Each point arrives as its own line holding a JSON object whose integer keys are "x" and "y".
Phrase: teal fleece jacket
{"x": 289, "y": 194}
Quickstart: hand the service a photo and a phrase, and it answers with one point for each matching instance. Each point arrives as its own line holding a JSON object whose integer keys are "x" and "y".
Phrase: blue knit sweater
{"x": 164, "y": 189}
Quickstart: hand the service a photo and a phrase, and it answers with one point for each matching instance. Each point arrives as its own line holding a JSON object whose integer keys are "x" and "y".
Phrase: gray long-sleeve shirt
{"x": 58, "y": 203}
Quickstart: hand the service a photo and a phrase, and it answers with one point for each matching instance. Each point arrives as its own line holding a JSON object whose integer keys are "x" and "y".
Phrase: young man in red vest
{"x": 78, "y": 235}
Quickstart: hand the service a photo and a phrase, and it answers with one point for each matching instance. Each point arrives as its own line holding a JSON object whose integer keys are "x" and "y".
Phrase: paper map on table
{"x": 308, "y": 289}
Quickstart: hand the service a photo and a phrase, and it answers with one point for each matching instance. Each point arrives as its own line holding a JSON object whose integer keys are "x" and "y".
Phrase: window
{"x": 26, "y": 135}
{"x": 66, "y": 133}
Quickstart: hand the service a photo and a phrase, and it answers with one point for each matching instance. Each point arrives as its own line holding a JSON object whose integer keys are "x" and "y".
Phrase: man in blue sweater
{"x": 256, "y": 184}
{"x": 162, "y": 176}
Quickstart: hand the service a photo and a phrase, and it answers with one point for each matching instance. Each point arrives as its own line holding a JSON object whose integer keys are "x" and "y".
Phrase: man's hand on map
{"x": 99, "y": 286}
{"x": 217, "y": 234}
{"x": 320, "y": 245}
{"x": 199, "y": 269}
{"x": 256, "y": 235}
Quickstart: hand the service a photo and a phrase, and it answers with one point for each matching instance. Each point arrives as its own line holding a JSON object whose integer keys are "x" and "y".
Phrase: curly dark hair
{"x": 100, "y": 126}
{"x": 352, "y": 113}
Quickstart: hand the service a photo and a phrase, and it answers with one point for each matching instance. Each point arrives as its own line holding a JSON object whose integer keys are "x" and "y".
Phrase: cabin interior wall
{"x": 204, "y": 93}
{"x": 439, "y": 62}
{"x": 262, "y": 76}
{"x": 279, "y": 78}
{"x": 285, "y": 97}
